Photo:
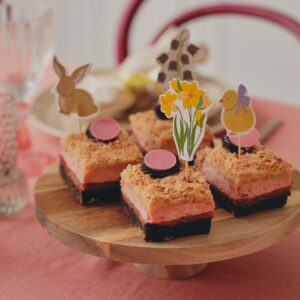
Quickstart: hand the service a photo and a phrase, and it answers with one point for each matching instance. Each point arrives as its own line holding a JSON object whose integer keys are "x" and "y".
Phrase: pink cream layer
{"x": 144, "y": 141}
{"x": 164, "y": 215}
{"x": 247, "y": 190}
{"x": 97, "y": 176}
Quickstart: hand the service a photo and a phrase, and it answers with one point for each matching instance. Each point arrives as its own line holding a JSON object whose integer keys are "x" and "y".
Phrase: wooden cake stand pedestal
{"x": 106, "y": 231}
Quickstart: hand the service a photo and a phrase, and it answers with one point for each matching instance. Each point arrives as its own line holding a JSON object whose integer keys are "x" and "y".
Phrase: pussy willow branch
{"x": 179, "y": 52}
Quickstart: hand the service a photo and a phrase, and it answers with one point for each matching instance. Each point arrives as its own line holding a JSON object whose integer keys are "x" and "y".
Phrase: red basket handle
{"x": 281, "y": 19}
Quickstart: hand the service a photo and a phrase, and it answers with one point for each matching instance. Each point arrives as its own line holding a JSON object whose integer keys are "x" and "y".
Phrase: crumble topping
{"x": 94, "y": 155}
{"x": 161, "y": 131}
{"x": 168, "y": 191}
{"x": 262, "y": 163}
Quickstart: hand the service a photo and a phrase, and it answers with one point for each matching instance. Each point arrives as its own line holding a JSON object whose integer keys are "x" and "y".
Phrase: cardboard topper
{"x": 238, "y": 116}
{"x": 188, "y": 105}
{"x": 239, "y": 119}
{"x": 180, "y": 60}
{"x": 72, "y": 99}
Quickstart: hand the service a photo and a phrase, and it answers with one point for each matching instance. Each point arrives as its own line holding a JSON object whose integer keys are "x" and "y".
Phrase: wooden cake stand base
{"x": 172, "y": 271}
{"x": 104, "y": 230}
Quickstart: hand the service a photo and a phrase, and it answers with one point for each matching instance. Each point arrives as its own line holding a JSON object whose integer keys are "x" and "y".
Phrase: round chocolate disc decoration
{"x": 227, "y": 144}
{"x": 105, "y": 129}
{"x": 247, "y": 140}
{"x": 160, "y": 160}
{"x": 160, "y": 163}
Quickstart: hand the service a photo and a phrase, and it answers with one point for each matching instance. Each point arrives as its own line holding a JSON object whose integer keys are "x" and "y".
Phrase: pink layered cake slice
{"x": 92, "y": 168}
{"x": 152, "y": 132}
{"x": 256, "y": 181}
{"x": 165, "y": 205}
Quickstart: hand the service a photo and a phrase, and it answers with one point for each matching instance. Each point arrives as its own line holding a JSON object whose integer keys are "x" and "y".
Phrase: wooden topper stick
{"x": 79, "y": 121}
{"x": 186, "y": 170}
{"x": 239, "y": 146}
{"x": 80, "y": 126}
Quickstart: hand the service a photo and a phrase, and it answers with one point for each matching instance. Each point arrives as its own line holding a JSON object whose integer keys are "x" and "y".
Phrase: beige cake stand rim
{"x": 106, "y": 231}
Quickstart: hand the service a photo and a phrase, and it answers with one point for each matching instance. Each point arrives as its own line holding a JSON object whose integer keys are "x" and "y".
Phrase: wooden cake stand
{"x": 106, "y": 231}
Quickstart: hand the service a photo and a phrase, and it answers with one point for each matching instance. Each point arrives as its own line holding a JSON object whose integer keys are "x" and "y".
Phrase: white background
{"x": 261, "y": 55}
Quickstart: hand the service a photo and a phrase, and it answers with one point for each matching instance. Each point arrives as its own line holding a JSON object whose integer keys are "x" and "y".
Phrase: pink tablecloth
{"x": 34, "y": 265}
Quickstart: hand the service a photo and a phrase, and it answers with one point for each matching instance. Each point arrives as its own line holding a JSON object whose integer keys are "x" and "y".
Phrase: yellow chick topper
{"x": 238, "y": 116}
{"x": 72, "y": 99}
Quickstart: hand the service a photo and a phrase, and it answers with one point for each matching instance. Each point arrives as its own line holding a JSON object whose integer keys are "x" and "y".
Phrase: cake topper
{"x": 70, "y": 98}
{"x": 238, "y": 118}
{"x": 188, "y": 105}
{"x": 180, "y": 59}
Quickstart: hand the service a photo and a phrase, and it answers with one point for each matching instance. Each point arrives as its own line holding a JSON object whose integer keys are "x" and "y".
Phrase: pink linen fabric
{"x": 33, "y": 265}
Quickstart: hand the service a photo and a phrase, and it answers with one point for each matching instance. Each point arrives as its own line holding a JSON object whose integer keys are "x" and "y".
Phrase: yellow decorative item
{"x": 190, "y": 94}
{"x": 198, "y": 116}
{"x": 167, "y": 103}
{"x": 206, "y": 101}
{"x": 238, "y": 116}
{"x": 188, "y": 106}
{"x": 174, "y": 85}
{"x": 134, "y": 79}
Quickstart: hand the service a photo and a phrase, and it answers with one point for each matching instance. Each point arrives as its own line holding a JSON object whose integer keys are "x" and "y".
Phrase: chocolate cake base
{"x": 159, "y": 233}
{"x": 249, "y": 206}
{"x": 108, "y": 193}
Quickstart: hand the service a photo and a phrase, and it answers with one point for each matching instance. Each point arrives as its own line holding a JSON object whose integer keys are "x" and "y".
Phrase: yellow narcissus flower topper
{"x": 188, "y": 105}
{"x": 167, "y": 103}
{"x": 189, "y": 93}
{"x": 198, "y": 116}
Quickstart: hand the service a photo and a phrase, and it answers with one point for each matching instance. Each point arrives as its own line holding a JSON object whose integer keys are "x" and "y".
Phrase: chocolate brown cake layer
{"x": 159, "y": 233}
{"x": 102, "y": 193}
{"x": 244, "y": 207}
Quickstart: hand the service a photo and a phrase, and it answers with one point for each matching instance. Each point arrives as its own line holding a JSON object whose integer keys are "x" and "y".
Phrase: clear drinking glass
{"x": 26, "y": 47}
{"x": 13, "y": 188}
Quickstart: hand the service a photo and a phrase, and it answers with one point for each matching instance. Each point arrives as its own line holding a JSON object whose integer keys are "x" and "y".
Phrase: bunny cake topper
{"x": 70, "y": 98}
{"x": 188, "y": 105}
{"x": 180, "y": 60}
{"x": 239, "y": 119}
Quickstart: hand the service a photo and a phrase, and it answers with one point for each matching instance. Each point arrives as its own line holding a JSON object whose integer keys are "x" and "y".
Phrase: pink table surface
{"x": 33, "y": 265}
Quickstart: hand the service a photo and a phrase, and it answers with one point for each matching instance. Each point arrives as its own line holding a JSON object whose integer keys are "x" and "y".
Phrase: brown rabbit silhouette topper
{"x": 72, "y": 99}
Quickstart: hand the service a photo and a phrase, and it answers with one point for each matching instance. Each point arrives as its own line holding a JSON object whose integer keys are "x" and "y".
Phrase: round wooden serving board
{"x": 106, "y": 231}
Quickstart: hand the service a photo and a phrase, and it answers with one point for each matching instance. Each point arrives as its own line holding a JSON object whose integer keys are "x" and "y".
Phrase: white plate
{"x": 45, "y": 115}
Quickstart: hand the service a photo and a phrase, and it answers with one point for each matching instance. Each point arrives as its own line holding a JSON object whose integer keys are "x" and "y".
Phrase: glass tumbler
{"x": 26, "y": 49}
{"x": 13, "y": 188}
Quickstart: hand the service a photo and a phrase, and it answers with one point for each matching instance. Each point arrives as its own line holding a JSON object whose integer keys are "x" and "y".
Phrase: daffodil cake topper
{"x": 238, "y": 117}
{"x": 188, "y": 105}
{"x": 180, "y": 60}
{"x": 70, "y": 98}
{"x": 183, "y": 100}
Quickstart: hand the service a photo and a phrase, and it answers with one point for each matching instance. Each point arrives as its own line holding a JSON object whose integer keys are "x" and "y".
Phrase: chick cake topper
{"x": 70, "y": 98}
{"x": 188, "y": 105}
{"x": 238, "y": 117}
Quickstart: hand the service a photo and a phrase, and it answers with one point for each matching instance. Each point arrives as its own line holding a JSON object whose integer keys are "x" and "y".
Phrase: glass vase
{"x": 13, "y": 188}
